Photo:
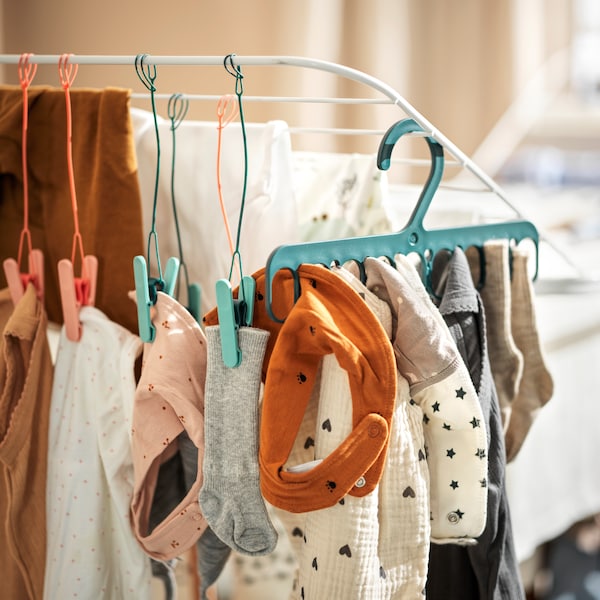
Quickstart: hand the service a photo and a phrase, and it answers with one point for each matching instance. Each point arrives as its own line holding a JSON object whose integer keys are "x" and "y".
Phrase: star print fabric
{"x": 455, "y": 434}
{"x": 169, "y": 399}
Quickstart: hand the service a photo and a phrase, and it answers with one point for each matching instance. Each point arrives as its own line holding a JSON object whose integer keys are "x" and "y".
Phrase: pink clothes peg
{"x": 17, "y": 281}
{"x": 75, "y": 292}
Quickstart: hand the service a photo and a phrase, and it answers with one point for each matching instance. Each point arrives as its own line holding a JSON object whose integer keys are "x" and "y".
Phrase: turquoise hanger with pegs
{"x": 413, "y": 238}
{"x": 177, "y": 109}
{"x": 147, "y": 288}
{"x": 235, "y": 313}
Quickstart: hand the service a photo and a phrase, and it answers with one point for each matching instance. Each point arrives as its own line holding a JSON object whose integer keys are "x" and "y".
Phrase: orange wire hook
{"x": 67, "y": 73}
{"x": 27, "y": 72}
{"x": 75, "y": 292}
{"x": 227, "y": 110}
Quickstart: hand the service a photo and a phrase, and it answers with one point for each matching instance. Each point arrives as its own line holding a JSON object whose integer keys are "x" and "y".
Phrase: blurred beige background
{"x": 461, "y": 63}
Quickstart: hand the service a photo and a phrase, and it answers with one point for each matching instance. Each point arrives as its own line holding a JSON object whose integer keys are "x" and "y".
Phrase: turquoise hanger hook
{"x": 146, "y": 287}
{"x": 146, "y": 73}
{"x": 177, "y": 109}
{"x": 236, "y": 313}
{"x": 386, "y": 146}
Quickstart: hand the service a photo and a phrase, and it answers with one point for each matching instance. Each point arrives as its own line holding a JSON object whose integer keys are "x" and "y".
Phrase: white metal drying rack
{"x": 387, "y": 91}
{"x": 293, "y": 61}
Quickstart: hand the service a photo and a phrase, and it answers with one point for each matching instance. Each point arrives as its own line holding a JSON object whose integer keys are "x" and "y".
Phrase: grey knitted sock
{"x": 230, "y": 496}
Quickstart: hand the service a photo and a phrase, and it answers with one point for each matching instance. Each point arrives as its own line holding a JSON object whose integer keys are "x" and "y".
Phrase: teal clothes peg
{"x": 146, "y": 290}
{"x": 171, "y": 274}
{"x": 233, "y": 314}
{"x": 195, "y": 300}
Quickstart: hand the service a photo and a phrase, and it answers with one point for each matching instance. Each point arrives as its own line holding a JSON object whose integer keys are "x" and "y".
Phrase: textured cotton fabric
{"x": 211, "y": 553}
{"x": 91, "y": 548}
{"x": 25, "y": 386}
{"x": 536, "y": 385}
{"x": 506, "y": 360}
{"x": 376, "y": 546}
{"x": 339, "y": 195}
{"x": 230, "y": 496}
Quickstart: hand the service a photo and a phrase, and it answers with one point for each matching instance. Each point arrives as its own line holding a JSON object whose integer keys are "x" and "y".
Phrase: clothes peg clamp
{"x": 146, "y": 290}
{"x": 233, "y": 314}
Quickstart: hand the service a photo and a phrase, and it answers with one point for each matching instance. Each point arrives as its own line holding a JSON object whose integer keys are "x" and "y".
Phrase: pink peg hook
{"x": 66, "y": 71}
{"x": 75, "y": 292}
{"x": 27, "y": 70}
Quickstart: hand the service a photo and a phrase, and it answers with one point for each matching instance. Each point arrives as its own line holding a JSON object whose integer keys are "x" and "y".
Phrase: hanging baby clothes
{"x": 25, "y": 384}
{"x": 536, "y": 386}
{"x": 230, "y": 496}
{"x": 375, "y": 546}
{"x": 231, "y": 434}
{"x": 169, "y": 399}
{"x": 105, "y": 168}
{"x": 270, "y": 210}
{"x": 269, "y": 577}
{"x": 440, "y": 384}
{"x": 328, "y": 317}
{"x": 339, "y": 195}
{"x": 303, "y": 452}
{"x": 382, "y": 364}
{"x": 92, "y": 551}
{"x": 488, "y": 570}
{"x": 506, "y": 360}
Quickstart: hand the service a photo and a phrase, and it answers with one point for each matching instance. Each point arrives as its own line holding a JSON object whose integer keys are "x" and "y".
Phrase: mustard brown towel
{"x": 108, "y": 194}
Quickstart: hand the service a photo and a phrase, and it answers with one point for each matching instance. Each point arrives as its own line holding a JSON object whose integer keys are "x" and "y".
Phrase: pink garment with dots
{"x": 168, "y": 400}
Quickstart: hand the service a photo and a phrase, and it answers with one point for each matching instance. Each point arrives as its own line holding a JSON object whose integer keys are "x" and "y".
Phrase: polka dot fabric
{"x": 169, "y": 399}
{"x": 91, "y": 549}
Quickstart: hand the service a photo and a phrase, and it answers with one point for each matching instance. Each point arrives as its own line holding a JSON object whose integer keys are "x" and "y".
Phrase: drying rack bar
{"x": 291, "y": 99}
{"x": 290, "y": 61}
{"x": 294, "y": 61}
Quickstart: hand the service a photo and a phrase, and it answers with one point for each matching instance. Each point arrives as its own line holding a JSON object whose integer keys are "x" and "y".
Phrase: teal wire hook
{"x": 234, "y": 314}
{"x": 177, "y": 109}
{"x": 147, "y": 288}
{"x": 236, "y": 71}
